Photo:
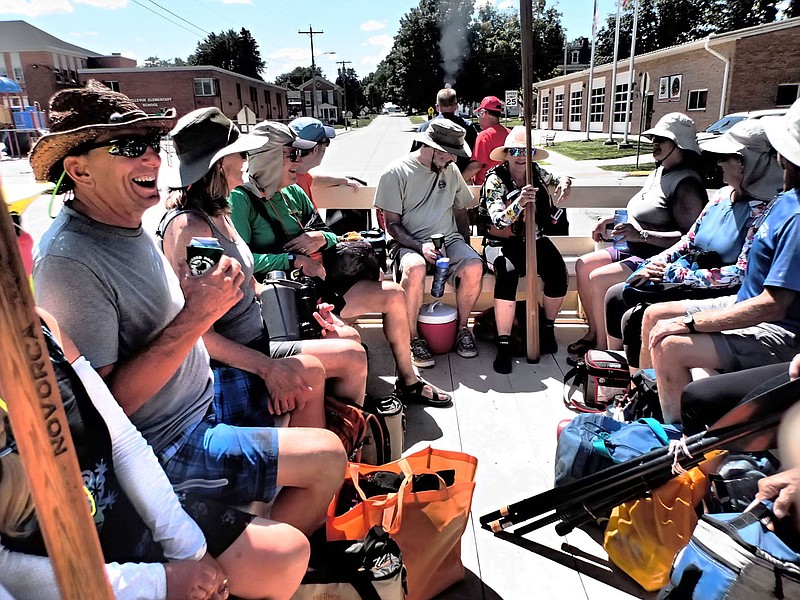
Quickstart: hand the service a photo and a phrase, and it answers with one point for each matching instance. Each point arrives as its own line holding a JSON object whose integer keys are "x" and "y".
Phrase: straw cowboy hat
{"x": 784, "y": 133}
{"x": 80, "y": 115}
{"x": 762, "y": 177}
{"x": 676, "y": 127}
{"x": 516, "y": 139}
{"x": 201, "y": 138}
{"x": 446, "y": 136}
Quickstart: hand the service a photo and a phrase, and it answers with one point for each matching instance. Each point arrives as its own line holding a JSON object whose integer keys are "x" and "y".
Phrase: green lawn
{"x": 596, "y": 150}
{"x": 417, "y": 119}
{"x": 644, "y": 167}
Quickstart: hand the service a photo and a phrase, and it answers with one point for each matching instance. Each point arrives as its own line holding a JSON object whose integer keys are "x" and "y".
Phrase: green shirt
{"x": 290, "y": 207}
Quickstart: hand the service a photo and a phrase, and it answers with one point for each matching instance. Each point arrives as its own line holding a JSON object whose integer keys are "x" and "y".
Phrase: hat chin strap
{"x": 661, "y": 162}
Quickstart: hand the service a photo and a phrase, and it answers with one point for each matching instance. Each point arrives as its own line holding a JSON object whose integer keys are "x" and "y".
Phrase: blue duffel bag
{"x": 734, "y": 557}
{"x": 594, "y": 441}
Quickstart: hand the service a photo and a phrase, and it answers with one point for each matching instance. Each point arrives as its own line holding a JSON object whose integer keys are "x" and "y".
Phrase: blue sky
{"x": 359, "y": 31}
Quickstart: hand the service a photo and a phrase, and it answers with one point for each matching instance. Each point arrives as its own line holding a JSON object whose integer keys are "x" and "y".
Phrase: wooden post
{"x": 40, "y": 427}
{"x": 531, "y": 281}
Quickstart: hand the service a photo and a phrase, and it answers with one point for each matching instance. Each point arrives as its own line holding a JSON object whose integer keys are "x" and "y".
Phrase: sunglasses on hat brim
{"x": 127, "y": 146}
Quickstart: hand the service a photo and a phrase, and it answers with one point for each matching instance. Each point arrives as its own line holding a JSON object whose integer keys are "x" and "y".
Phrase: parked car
{"x": 725, "y": 123}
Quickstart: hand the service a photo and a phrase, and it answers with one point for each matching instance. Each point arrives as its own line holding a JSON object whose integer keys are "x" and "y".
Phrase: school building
{"x": 748, "y": 69}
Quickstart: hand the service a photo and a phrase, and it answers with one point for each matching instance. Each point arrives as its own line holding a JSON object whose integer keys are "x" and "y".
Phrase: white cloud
{"x": 34, "y": 8}
{"x": 372, "y": 26}
{"x": 481, "y": 3}
{"x": 506, "y": 4}
{"x": 381, "y": 41}
{"x": 290, "y": 54}
{"x": 112, "y": 4}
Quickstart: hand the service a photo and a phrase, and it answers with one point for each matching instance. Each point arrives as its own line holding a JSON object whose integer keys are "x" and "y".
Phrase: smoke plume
{"x": 453, "y": 42}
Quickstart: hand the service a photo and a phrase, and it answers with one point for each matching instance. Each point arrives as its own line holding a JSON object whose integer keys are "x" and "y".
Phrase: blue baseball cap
{"x": 313, "y": 130}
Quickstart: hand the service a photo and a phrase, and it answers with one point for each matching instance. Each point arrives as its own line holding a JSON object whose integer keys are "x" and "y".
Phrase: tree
{"x": 792, "y": 9}
{"x": 354, "y": 92}
{"x": 154, "y": 61}
{"x": 296, "y": 77}
{"x": 237, "y": 52}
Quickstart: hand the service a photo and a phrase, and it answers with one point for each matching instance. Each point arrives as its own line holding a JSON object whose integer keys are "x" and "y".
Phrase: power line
{"x": 178, "y": 16}
{"x": 165, "y": 18}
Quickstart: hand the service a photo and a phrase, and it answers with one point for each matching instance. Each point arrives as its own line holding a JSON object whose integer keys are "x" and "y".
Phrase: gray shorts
{"x": 457, "y": 250}
{"x": 749, "y": 347}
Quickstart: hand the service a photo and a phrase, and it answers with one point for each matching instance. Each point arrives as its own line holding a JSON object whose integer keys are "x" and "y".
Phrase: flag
{"x": 595, "y": 20}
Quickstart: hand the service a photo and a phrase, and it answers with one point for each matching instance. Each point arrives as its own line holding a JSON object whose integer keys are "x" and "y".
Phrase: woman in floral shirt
{"x": 503, "y": 198}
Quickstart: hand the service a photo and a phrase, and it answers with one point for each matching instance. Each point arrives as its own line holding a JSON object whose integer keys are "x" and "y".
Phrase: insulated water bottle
{"x": 440, "y": 276}
{"x": 279, "y": 307}
{"x": 620, "y": 216}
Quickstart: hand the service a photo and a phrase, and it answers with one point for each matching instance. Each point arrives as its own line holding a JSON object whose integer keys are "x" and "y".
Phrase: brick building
{"x": 43, "y": 64}
{"x": 188, "y": 88}
{"x": 748, "y": 69}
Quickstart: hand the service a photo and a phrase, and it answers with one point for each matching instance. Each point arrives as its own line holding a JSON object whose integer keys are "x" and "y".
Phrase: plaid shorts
{"x": 232, "y": 454}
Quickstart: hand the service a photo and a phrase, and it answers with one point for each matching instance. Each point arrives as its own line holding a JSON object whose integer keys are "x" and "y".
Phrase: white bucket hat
{"x": 763, "y": 177}
{"x": 676, "y": 127}
{"x": 784, "y": 133}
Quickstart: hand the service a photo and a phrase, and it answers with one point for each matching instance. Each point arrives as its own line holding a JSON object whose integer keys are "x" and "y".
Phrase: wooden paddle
{"x": 40, "y": 427}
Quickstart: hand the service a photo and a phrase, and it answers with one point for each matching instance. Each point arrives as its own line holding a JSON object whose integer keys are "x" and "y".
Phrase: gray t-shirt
{"x": 424, "y": 199}
{"x": 113, "y": 292}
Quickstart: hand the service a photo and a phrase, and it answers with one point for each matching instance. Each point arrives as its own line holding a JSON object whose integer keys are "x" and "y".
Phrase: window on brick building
{"x": 787, "y": 94}
{"x": 697, "y": 100}
{"x": 597, "y": 106}
{"x": 558, "y": 108}
{"x": 575, "y": 104}
{"x": 112, "y": 85}
{"x": 545, "y": 110}
{"x": 620, "y": 101}
{"x": 204, "y": 86}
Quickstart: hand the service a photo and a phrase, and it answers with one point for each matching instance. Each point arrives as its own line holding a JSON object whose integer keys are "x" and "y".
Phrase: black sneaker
{"x": 421, "y": 356}
{"x": 465, "y": 344}
{"x": 502, "y": 363}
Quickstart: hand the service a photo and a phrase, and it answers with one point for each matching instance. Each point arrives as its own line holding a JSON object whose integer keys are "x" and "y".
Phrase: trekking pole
{"x": 41, "y": 431}
{"x": 743, "y": 421}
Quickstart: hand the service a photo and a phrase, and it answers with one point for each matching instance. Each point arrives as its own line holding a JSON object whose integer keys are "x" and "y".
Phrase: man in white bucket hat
{"x": 761, "y": 324}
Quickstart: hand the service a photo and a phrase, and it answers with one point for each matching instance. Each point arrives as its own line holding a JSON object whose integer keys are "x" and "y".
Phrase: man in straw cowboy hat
{"x": 102, "y": 276}
{"x": 761, "y": 324}
{"x": 423, "y": 194}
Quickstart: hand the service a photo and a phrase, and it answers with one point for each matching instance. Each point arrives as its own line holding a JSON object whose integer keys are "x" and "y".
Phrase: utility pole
{"x": 344, "y": 87}
{"x": 311, "y": 33}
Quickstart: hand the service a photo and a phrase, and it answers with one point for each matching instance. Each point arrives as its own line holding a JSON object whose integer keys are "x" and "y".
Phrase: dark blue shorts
{"x": 232, "y": 454}
{"x": 625, "y": 257}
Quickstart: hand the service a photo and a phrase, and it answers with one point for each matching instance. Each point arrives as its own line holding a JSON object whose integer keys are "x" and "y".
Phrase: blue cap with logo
{"x": 313, "y": 130}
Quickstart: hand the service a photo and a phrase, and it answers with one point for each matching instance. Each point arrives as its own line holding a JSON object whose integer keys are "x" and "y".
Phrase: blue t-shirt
{"x": 723, "y": 229}
{"x": 774, "y": 259}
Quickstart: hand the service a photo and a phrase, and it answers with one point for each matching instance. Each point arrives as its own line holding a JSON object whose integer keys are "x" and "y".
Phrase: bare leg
{"x": 389, "y": 299}
{"x": 311, "y": 466}
{"x": 600, "y": 280}
{"x": 673, "y": 358}
{"x": 345, "y": 363}
{"x": 310, "y": 410}
{"x": 469, "y": 288}
{"x": 584, "y": 267}
{"x": 652, "y": 315}
{"x": 504, "y": 311}
{"x": 552, "y": 306}
{"x": 413, "y": 268}
{"x": 268, "y": 560}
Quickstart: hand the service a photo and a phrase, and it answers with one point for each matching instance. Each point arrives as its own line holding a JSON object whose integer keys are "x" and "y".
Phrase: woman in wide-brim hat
{"x": 501, "y": 221}
{"x": 210, "y": 156}
{"x": 658, "y": 215}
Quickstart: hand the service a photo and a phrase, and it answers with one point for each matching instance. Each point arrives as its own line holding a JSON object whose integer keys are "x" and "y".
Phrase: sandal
{"x": 582, "y": 346}
{"x": 415, "y": 394}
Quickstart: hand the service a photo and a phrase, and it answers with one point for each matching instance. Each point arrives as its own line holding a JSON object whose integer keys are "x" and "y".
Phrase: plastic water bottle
{"x": 620, "y": 216}
{"x": 440, "y": 276}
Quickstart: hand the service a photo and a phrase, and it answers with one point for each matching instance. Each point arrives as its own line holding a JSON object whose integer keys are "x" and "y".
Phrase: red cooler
{"x": 437, "y": 325}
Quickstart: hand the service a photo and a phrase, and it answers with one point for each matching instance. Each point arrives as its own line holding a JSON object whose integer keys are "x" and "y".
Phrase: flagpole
{"x": 625, "y": 143}
{"x": 591, "y": 74}
{"x": 610, "y": 139}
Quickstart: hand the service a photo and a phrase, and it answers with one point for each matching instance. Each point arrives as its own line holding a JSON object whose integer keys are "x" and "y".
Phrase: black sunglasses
{"x": 296, "y": 154}
{"x": 128, "y": 146}
{"x": 658, "y": 139}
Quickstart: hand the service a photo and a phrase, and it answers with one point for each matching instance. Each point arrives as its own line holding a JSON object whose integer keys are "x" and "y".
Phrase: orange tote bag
{"x": 427, "y": 525}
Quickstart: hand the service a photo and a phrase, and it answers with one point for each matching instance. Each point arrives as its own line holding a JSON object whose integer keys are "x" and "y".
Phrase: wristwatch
{"x": 688, "y": 320}
{"x": 644, "y": 234}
